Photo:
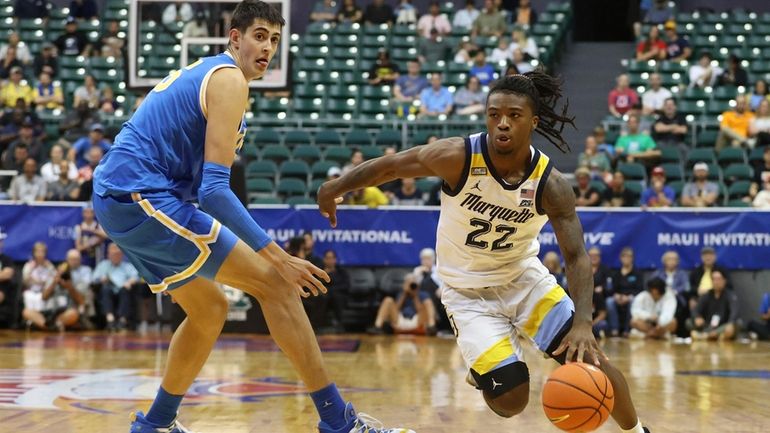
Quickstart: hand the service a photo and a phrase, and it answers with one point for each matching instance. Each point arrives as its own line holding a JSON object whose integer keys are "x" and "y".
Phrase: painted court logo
{"x": 92, "y": 390}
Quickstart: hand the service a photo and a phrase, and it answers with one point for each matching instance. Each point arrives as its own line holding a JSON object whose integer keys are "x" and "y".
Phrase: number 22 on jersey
{"x": 483, "y": 227}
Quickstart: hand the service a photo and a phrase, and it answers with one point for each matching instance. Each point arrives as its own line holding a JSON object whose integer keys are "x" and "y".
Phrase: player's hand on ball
{"x": 327, "y": 204}
{"x": 303, "y": 276}
{"x": 580, "y": 340}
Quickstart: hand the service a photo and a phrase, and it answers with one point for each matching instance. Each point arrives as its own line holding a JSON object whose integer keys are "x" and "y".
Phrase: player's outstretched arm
{"x": 559, "y": 205}
{"x": 442, "y": 158}
{"x": 226, "y": 99}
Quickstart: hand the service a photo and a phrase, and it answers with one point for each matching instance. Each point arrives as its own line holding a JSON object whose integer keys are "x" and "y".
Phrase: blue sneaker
{"x": 140, "y": 425}
{"x": 360, "y": 423}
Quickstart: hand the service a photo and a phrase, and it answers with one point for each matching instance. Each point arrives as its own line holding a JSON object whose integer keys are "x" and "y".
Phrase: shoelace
{"x": 369, "y": 424}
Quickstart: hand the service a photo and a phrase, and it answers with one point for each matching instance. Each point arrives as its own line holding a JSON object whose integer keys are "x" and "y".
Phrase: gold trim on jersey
{"x": 205, "y": 85}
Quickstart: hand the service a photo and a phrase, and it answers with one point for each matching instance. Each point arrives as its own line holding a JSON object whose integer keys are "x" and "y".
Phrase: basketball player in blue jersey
{"x": 497, "y": 194}
{"x": 179, "y": 147}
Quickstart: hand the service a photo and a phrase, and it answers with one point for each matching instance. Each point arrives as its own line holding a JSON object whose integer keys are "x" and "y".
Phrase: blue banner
{"x": 24, "y": 225}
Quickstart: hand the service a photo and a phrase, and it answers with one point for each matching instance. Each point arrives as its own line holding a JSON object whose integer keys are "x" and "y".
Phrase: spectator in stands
{"x": 84, "y": 144}
{"x": 82, "y": 277}
{"x": 703, "y": 74}
{"x": 659, "y": 13}
{"x": 585, "y": 193}
{"x": 552, "y": 262}
{"x": 734, "y": 74}
{"x": 600, "y": 328}
{"x": 356, "y": 158}
{"x": 470, "y": 99}
{"x": 655, "y": 96}
{"x": 407, "y": 194}
{"x": 759, "y": 128}
{"x": 14, "y": 160}
{"x": 78, "y": 122}
{"x": 760, "y": 329}
{"x": 64, "y": 188}
{"x": 489, "y": 22}
{"x": 324, "y": 11}
{"x": 676, "y": 280}
{"x": 28, "y": 9}
{"x": 600, "y": 272}
{"x": 8, "y": 62}
{"x": 333, "y": 172}
{"x": 762, "y": 170}
{"x": 46, "y": 61}
{"x": 7, "y": 284}
{"x": 636, "y": 145}
{"x": 48, "y": 96}
{"x": 717, "y": 312}
{"x": 88, "y": 92}
{"x": 758, "y": 95}
{"x": 519, "y": 61}
{"x": 116, "y": 277}
{"x": 658, "y": 194}
{"x": 436, "y": 99}
{"x": 653, "y": 311}
{"x": 762, "y": 198}
{"x": 465, "y": 52}
{"x": 86, "y": 173}
{"x": 73, "y": 42}
{"x": 111, "y": 42}
{"x": 465, "y": 17}
{"x": 65, "y": 296}
{"x": 198, "y": 28}
{"x": 481, "y": 69}
{"x": 413, "y": 312}
{"x": 651, "y": 48}
{"x": 734, "y": 128}
{"x": 370, "y": 196}
{"x": 627, "y": 283}
{"x": 433, "y": 49}
{"x": 28, "y": 187}
{"x": 308, "y": 244}
{"x": 617, "y": 195}
{"x": 700, "y": 192}
{"x": 15, "y": 89}
{"x": 84, "y": 9}
{"x": 27, "y": 138}
{"x": 405, "y": 12}
{"x": 50, "y": 170}
{"x": 434, "y": 19}
{"x": 592, "y": 158}
{"x": 337, "y": 288}
{"x": 677, "y": 47}
{"x": 525, "y": 16}
{"x": 177, "y": 12}
{"x": 408, "y": 88}
{"x": 384, "y": 71}
{"x": 378, "y": 12}
{"x": 622, "y": 97}
{"x": 107, "y": 101}
{"x": 501, "y": 54}
{"x": 526, "y": 44}
{"x": 670, "y": 128}
{"x": 89, "y": 238}
{"x": 22, "y": 50}
{"x": 602, "y": 144}
{"x": 37, "y": 274}
{"x": 700, "y": 277}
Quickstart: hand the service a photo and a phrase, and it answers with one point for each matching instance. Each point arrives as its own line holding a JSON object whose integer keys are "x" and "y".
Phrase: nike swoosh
{"x": 559, "y": 419}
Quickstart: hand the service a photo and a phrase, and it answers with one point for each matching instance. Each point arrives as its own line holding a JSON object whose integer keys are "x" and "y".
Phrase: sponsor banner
{"x": 26, "y": 225}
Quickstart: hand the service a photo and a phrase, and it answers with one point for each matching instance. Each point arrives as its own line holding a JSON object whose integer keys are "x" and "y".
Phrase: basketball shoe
{"x": 140, "y": 425}
{"x": 360, "y": 423}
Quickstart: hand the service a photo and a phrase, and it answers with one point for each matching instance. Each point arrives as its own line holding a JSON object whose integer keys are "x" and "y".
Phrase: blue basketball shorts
{"x": 169, "y": 241}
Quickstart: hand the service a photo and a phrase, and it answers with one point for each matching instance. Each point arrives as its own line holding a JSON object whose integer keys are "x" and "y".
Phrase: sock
{"x": 164, "y": 408}
{"x": 330, "y": 406}
{"x": 635, "y": 429}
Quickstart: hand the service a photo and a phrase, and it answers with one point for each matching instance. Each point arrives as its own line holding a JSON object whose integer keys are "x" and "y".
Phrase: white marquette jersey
{"x": 488, "y": 227}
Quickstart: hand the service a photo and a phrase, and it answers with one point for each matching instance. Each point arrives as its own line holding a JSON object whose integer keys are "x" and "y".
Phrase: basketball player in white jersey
{"x": 497, "y": 194}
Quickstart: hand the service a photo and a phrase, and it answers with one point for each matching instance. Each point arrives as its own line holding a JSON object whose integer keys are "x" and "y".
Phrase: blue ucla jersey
{"x": 161, "y": 147}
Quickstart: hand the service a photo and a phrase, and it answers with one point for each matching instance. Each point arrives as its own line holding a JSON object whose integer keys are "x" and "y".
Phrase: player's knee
{"x": 506, "y": 389}
{"x": 511, "y": 403}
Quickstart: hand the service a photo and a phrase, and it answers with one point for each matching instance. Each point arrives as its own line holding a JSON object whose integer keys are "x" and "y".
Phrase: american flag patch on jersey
{"x": 527, "y": 193}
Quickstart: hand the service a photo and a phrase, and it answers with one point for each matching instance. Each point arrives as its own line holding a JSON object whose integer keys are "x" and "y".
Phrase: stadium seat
{"x": 314, "y": 185}
{"x": 275, "y": 153}
{"x": 264, "y": 136}
{"x": 358, "y": 137}
{"x": 633, "y": 170}
{"x": 426, "y": 184}
{"x": 299, "y": 200}
{"x": 697, "y": 155}
{"x": 327, "y": 137}
{"x": 339, "y": 154}
{"x": 249, "y": 151}
{"x": 372, "y": 107}
{"x": 725, "y": 93}
{"x": 370, "y": 152}
{"x": 738, "y": 189}
{"x": 295, "y": 169}
{"x": 265, "y": 200}
{"x": 633, "y": 185}
{"x": 756, "y": 156}
{"x": 260, "y": 186}
{"x": 341, "y": 108}
{"x": 669, "y": 154}
{"x": 736, "y": 172}
{"x": 388, "y": 137}
{"x": 392, "y": 281}
{"x": 677, "y": 186}
{"x": 296, "y": 137}
{"x": 737, "y": 203}
{"x": 599, "y": 186}
{"x": 343, "y": 90}
{"x": 730, "y": 155}
{"x": 320, "y": 168}
{"x": 673, "y": 171}
{"x": 264, "y": 169}
{"x": 288, "y": 187}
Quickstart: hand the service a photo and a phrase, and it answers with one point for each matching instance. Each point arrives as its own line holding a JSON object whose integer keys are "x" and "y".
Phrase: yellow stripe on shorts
{"x": 493, "y": 356}
{"x": 542, "y": 308}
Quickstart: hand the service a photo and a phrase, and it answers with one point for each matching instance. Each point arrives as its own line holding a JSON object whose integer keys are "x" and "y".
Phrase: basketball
{"x": 578, "y": 398}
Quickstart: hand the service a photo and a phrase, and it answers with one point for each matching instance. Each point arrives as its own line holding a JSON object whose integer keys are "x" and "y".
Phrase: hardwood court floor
{"x": 88, "y": 383}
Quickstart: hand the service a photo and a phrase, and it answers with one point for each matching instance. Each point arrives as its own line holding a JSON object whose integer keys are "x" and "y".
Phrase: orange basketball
{"x": 578, "y": 397}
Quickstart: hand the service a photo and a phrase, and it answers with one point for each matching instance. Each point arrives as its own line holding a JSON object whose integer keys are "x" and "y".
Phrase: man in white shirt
{"x": 655, "y": 96}
{"x": 434, "y": 19}
{"x": 465, "y": 17}
{"x": 703, "y": 74}
{"x": 653, "y": 311}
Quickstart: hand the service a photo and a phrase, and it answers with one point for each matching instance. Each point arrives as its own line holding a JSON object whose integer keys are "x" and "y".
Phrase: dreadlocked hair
{"x": 544, "y": 91}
